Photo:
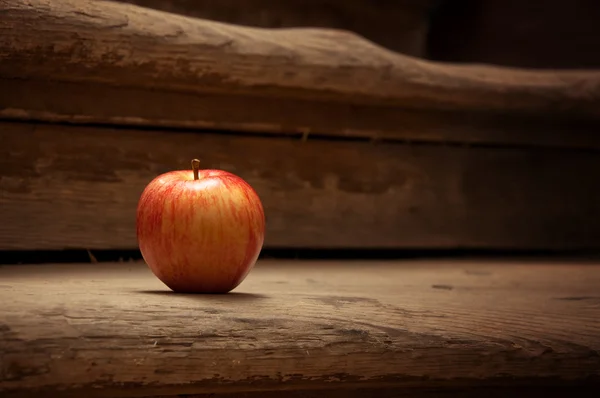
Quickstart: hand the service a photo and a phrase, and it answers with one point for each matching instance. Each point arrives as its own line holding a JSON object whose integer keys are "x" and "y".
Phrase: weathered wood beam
{"x": 111, "y": 63}
{"x": 78, "y": 187}
{"x": 122, "y": 44}
{"x": 84, "y": 103}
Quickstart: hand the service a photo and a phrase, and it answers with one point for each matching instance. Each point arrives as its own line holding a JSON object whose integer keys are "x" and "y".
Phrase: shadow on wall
{"x": 530, "y": 34}
{"x": 400, "y": 25}
{"x": 533, "y": 33}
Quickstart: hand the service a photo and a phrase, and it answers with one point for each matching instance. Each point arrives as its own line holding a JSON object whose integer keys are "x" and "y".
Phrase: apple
{"x": 200, "y": 230}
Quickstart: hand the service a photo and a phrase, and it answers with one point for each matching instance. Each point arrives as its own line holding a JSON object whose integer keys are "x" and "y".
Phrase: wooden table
{"x": 357, "y": 328}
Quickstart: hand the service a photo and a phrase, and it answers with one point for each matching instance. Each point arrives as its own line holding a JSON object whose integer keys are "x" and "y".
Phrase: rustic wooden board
{"x": 103, "y": 62}
{"x": 115, "y": 330}
{"x": 78, "y": 187}
{"x": 135, "y": 46}
{"x": 99, "y": 104}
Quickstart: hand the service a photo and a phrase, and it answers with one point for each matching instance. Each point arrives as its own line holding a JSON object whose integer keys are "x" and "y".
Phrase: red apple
{"x": 200, "y": 231}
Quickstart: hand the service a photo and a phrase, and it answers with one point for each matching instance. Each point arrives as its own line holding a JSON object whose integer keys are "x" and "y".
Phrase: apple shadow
{"x": 232, "y": 296}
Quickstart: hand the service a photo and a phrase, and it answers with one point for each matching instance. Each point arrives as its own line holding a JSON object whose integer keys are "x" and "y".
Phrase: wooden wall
{"x": 71, "y": 186}
{"x": 348, "y": 144}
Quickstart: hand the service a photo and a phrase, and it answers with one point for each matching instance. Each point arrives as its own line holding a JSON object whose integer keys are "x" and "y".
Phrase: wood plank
{"x": 128, "y": 45}
{"x": 100, "y": 104}
{"x": 112, "y": 63}
{"x": 410, "y": 327}
{"x": 78, "y": 187}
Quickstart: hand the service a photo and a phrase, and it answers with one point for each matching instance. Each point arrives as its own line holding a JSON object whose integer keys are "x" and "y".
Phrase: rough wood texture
{"x": 135, "y": 46}
{"x": 102, "y": 62}
{"x": 73, "y": 186}
{"x": 83, "y": 330}
{"x": 105, "y": 105}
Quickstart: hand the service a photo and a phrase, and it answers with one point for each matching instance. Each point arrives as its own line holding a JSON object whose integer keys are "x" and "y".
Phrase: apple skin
{"x": 200, "y": 235}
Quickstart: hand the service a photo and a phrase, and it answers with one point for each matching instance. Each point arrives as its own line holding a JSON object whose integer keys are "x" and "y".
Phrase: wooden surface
{"x": 115, "y": 330}
{"x": 97, "y": 104}
{"x": 84, "y": 61}
{"x": 75, "y": 187}
{"x": 135, "y": 46}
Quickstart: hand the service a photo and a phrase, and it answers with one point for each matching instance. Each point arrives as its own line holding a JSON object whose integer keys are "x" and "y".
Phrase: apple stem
{"x": 195, "y": 168}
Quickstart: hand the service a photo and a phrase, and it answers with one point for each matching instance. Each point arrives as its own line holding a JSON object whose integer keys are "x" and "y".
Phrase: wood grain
{"x": 115, "y": 330}
{"x": 104, "y": 62}
{"x": 78, "y": 187}
{"x": 135, "y": 46}
{"x": 98, "y": 104}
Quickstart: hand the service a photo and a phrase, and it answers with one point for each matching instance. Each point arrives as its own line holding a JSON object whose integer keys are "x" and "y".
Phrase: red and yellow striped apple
{"x": 200, "y": 230}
